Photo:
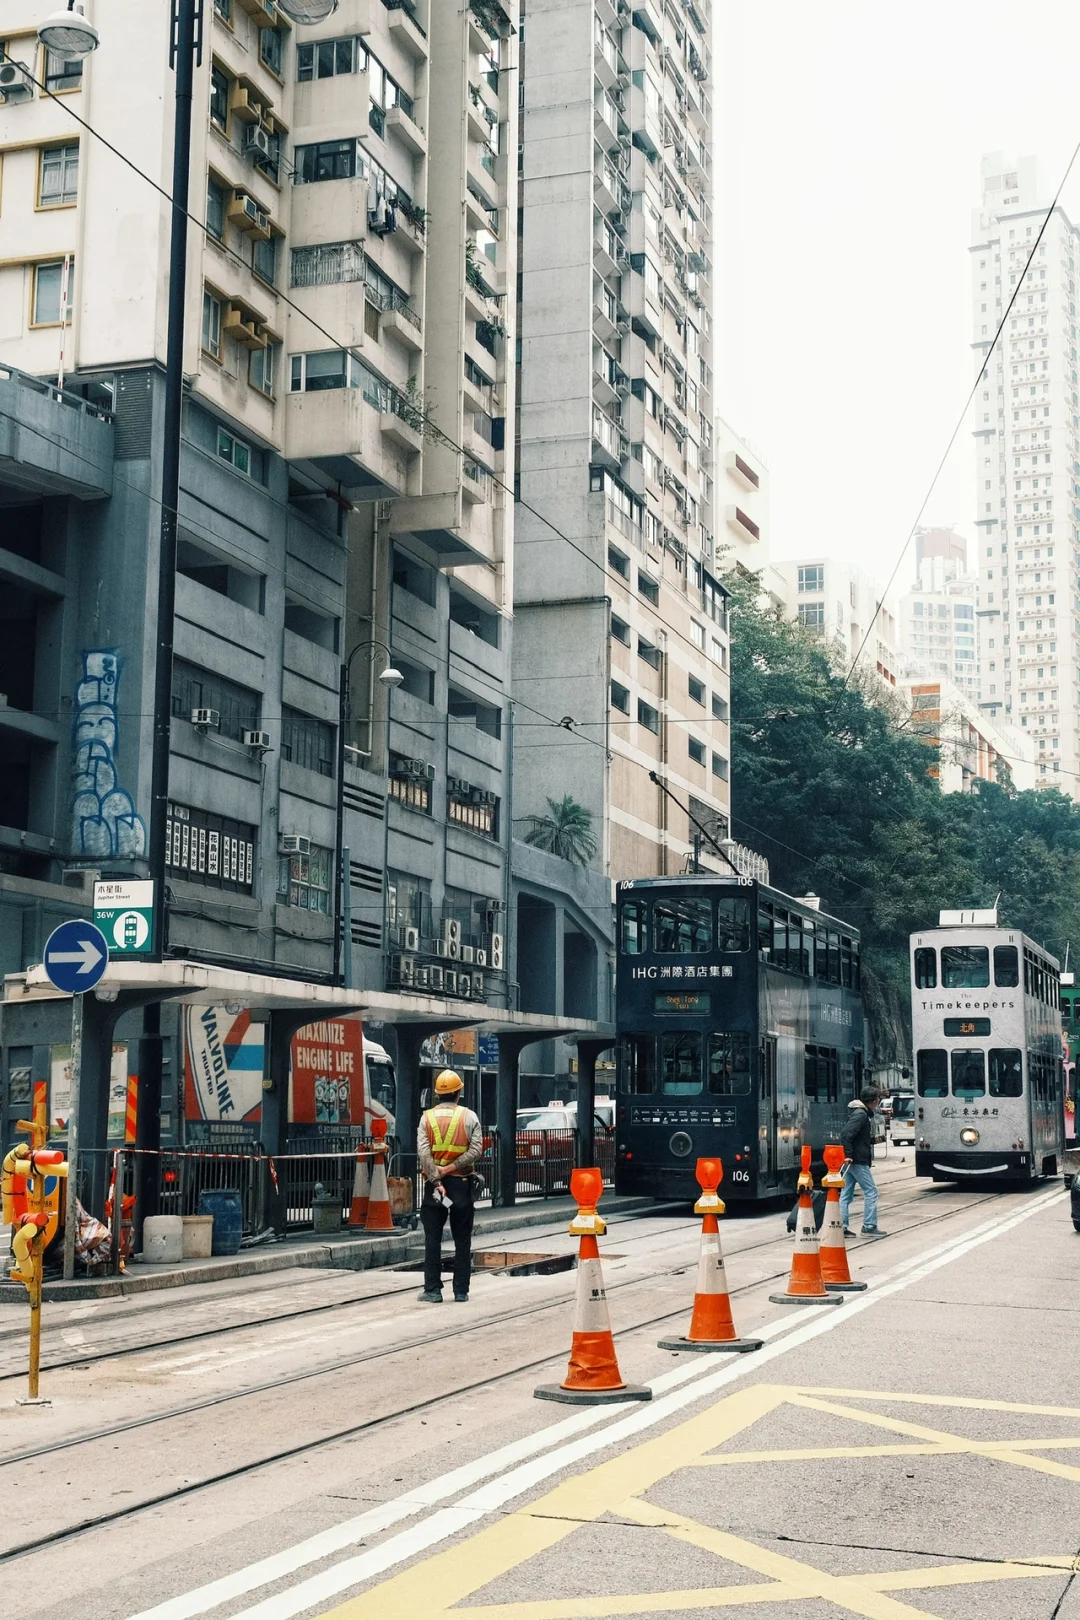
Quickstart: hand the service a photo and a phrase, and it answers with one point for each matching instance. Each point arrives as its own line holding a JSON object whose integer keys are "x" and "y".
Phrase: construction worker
{"x": 449, "y": 1144}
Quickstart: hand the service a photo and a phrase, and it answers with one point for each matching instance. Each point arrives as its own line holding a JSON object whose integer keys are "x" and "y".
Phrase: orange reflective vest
{"x": 447, "y": 1133}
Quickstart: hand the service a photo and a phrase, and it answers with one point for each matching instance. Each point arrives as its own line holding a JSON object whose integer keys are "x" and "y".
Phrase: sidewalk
{"x": 347, "y": 1251}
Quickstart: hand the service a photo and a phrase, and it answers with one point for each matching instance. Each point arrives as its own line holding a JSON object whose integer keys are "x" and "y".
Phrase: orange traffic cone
{"x": 361, "y": 1190}
{"x": 593, "y": 1376}
{"x": 806, "y": 1285}
{"x": 833, "y": 1249}
{"x": 379, "y": 1218}
{"x": 711, "y": 1326}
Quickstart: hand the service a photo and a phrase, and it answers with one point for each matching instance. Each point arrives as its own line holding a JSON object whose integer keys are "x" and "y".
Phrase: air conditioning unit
{"x": 442, "y": 948}
{"x": 437, "y": 979}
{"x": 16, "y": 83}
{"x": 403, "y": 969}
{"x": 464, "y": 986}
{"x": 451, "y": 930}
{"x": 256, "y": 143}
{"x": 488, "y": 796}
{"x": 294, "y": 844}
{"x": 411, "y": 939}
{"x": 450, "y": 979}
{"x": 422, "y": 977}
{"x": 458, "y": 785}
{"x": 206, "y": 719}
{"x": 259, "y": 740}
{"x": 478, "y": 986}
{"x": 468, "y": 954}
{"x": 481, "y": 958}
{"x": 497, "y": 952}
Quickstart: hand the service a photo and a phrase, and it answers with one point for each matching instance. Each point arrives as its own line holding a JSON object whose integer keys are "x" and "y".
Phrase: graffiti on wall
{"x": 103, "y": 818}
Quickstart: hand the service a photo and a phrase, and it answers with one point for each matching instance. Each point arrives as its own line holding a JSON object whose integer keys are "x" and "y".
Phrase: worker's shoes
{"x": 461, "y": 1299}
{"x": 428, "y": 1297}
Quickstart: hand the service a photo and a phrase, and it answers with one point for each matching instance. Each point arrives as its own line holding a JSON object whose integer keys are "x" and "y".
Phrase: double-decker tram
{"x": 740, "y": 1033}
{"x": 986, "y": 1028}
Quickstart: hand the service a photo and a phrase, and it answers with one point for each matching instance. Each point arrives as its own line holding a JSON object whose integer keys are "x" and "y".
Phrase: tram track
{"x": 85, "y": 1359}
{"x": 189, "y": 1488}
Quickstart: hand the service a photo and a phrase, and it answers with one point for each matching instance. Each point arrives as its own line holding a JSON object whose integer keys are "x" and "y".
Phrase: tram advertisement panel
{"x": 223, "y": 1076}
{"x": 326, "y": 1076}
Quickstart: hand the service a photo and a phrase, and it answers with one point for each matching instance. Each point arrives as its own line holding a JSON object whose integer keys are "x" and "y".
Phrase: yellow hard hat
{"x": 447, "y": 1083}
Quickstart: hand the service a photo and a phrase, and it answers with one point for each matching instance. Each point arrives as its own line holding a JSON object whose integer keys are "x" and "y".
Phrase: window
{"x": 1006, "y": 967}
{"x": 329, "y": 58}
{"x": 306, "y": 881}
{"x": 219, "y": 97}
{"x": 211, "y": 324}
{"x": 328, "y": 160}
{"x": 48, "y": 290}
{"x": 968, "y": 1072}
{"x": 215, "y": 208}
{"x": 307, "y": 741}
{"x": 264, "y": 258}
{"x": 932, "y": 1072}
{"x": 648, "y": 716}
{"x": 271, "y": 42}
{"x": 634, "y": 927}
{"x": 680, "y": 1063}
{"x": 648, "y": 588}
{"x": 480, "y": 818}
{"x": 729, "y": 1063}
{"x": 682, "y": 927}
{"x": 195, "y": 688}
{"x": 696, "y": 689}
{"x": 813, "y": 578}
{"x": 58, "y": 179}
{"x": 484, "y": 716}
{"x": 696, "y": 750}
{"x": 821, "y": 1074}
{"x": 697, "y": 634}
{"x": 1006, "y": 1072}
{"x": 61, "y": 75}
{"x": 926, "y": 968}
{"x": 262, "y": 366}
{"x": 638, "y": 1065}
{"x": 223, "y": 9}
{"x": 719, "y": 707}
{"x": 620, "y": 630}
{"x": 720, "y": 767}
{"x": 648, "y": 652}
{"x": 732, "y": 924}
{"x": 812, "y": 615}
{"x": 620, "y": 697}
{"x": 412, "y": 791}
{"x": 234, "y": 452}
{"x": 618, "y": 563}
{"x": 965, "y": 967}
{"x": 212, "y": 850}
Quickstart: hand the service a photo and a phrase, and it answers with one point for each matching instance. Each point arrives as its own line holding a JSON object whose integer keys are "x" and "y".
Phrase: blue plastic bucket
{"x": 226, "y": 1206}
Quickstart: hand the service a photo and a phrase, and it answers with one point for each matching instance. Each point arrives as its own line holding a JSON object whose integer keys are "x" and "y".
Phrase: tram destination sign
{"x": 688, "y": 1002}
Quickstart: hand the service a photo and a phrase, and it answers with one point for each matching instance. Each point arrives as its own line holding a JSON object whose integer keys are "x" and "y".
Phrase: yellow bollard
{"x": 25, "y": 1211}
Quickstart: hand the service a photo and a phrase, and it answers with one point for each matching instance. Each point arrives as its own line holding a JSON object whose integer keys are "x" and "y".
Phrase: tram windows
{"x": 848, "y": 968}
{"x": 729, "y": 1063}
{"x": 638, "y": 1064}
{"x": 965, "y": 967}
{"x": 634, "y": 929}
{"x": 765, "y": 930}
{"x": 682, "y": 927}
{"x": 834, "y": 956}
{"x": 926, "y": 968}
{"x": 1006, "y": 1072}
{"x": 968, "y": 1072}
{"x": 821, "y": 952}
{"x": 797, "y": 954}
{"x": 680, "y": 1063}
{"x": 821, "y": 1075}
{"x": 732, "y": 924}
{"x": 932, "y": 1068}
{"x": 1006, "y": 967}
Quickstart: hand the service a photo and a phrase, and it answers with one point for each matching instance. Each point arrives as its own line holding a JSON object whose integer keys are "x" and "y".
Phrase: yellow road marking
{"x": 935, "y": 1449}
{"x": 969, "y": 1403}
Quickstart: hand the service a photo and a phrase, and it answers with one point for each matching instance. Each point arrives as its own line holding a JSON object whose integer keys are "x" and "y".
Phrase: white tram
{"x": 986, "y": 1029}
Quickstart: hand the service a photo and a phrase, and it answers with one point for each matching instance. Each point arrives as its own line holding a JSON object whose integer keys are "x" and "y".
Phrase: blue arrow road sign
{"x": 76, "y": 955}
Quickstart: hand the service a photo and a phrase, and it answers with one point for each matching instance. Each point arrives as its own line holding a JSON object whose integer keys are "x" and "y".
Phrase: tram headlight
{"x": 969, "y": 1136}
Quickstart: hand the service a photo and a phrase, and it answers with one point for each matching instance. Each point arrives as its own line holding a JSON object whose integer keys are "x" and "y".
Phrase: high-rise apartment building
{"x": 621, "y": 641}
{"x": 1027, "y": 441}
{"x": 841, "y": 604}
{"x": 937, "y": 614}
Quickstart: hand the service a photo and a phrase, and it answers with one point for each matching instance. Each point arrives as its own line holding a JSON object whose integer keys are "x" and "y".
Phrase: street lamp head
{"x": 391, "y": 677}
{"x": 68, "y": 35}
{"x": 308, "y": 11}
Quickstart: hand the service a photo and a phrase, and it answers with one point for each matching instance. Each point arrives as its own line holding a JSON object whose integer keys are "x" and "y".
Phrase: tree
{"x": 566, "y": 831}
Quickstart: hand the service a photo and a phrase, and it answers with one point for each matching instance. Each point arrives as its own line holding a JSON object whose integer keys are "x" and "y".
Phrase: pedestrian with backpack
{"x": 857, "y": 1140}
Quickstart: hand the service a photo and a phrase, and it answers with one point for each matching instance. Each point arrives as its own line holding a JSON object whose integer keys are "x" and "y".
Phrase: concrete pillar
{"x": 588, "y": 1050}
{"x": 506, "y": 1105}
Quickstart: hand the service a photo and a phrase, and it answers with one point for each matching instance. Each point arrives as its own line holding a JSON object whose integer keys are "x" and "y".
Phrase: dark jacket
{"x": 857, "y": 1136}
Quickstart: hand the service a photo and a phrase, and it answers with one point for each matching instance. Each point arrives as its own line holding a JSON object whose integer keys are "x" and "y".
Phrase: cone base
{"x": 806, "y": 1299}
{"x": 846, "y": 1288}
{"x": 592, "y": 1397}
{"x": 739, "y": 1345}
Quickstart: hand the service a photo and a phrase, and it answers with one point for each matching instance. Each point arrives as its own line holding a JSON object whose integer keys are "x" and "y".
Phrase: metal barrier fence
{"x": 183, "y": 1176}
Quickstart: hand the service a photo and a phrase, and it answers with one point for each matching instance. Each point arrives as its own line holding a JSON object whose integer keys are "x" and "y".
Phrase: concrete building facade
{"x": 938, "y": 626}
{"x": 848, "y": 610}
{"x": 973, "y": 748}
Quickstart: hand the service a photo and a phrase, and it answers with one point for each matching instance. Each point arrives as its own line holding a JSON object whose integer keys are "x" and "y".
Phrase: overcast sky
{"x": 849, "y": 136}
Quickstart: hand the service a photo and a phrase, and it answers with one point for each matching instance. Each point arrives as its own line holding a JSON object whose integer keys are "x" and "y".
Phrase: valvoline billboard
{"x": 223, "y": 1075}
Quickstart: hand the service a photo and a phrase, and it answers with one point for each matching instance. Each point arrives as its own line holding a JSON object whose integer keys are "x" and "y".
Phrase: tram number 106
{"x": 740, "y": 1175}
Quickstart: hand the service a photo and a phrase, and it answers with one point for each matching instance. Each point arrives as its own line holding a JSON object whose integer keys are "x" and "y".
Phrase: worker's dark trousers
{"x": 433, "y": 1219}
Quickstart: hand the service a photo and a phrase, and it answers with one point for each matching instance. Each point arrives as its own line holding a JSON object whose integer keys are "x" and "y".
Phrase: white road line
{"x": 352, "y": 1531}
{"x": 496, "y": 1494}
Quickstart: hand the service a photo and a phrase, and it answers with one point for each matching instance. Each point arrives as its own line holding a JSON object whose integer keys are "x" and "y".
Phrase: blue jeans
{"x": 860, "y": 1175}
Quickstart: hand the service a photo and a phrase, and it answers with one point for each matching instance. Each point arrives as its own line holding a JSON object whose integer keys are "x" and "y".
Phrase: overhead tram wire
{"x": 979, "y": 376}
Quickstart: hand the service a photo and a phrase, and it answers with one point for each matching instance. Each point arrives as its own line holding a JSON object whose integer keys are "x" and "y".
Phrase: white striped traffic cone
{"x": 805, "y": 1284}
{"x": 379, "y": 1218}
{"x": 833, "y": 1249}
{"x": 593, "y": 1376}
{"x": 361, "y": 1190}
{"x": 711, "y": 1325}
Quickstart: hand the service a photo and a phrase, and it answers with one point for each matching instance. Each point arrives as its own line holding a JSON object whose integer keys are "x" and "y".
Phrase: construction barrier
{"x": 379, "y": 1218}
{"x": 831, "y": 1242}
{"x": 711, "y": 1324}
{"x": 806, "y": 1286}
{"x": 593, "y": 1376}
{"x": 361, "y": 1193}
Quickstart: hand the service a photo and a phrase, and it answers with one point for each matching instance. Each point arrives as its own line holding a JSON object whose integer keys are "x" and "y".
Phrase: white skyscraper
{"x": 1027, "y": 419}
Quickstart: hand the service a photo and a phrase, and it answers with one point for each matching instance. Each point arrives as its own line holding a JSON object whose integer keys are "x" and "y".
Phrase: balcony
{"x": 53, "y": 442}
{"x": 404, "y": 128}
{"x": 362, "y": 437}
{"x": 611, "y": 447}
{"x": 459, "y": 526}
{"x": 406, "y": 30}
{"x": 648, "y": 16}
{"x": 742, "y": 525}
{"x": 741, "y": 471}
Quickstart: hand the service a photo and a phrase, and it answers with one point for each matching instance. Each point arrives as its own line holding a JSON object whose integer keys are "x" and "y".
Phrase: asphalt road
{"x": 315, "y": 1445}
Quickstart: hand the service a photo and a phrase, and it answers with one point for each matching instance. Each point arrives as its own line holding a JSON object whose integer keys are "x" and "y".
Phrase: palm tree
{"x": 566, "y": 831}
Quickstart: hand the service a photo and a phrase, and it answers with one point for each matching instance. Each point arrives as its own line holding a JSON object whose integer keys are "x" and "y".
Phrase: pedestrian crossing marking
{"x": 441, "y": 1585}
